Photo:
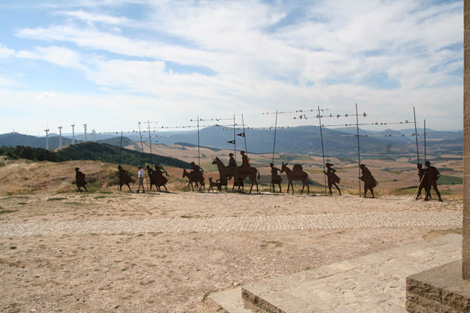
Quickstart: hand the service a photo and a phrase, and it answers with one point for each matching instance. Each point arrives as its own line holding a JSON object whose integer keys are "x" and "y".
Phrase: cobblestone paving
{"x": 233, "y": 224}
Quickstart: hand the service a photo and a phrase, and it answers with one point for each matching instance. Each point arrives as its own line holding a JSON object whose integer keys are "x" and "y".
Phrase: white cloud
{"x": 57, "y": 55}
{"x": 92, "y": 18}
{"x": 261, "y": 56}
{"x": 46, "y": 95}
{"x": 6, "y": 52}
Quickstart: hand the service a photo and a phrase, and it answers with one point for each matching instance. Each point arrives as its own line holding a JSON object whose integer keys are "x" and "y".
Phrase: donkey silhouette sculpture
{"x": 296, "y": 174}
{"x": 194, "y": 178}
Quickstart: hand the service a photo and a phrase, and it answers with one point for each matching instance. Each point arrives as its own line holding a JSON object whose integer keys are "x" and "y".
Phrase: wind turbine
{"x": 60, "y": 137}
{"x": 73, "y": 134}
{"x": 47, "y": 138}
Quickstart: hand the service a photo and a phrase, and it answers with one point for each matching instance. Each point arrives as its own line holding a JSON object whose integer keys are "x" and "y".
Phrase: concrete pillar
{"x": 447, "y": 288}
{"x": 466, "y": 146}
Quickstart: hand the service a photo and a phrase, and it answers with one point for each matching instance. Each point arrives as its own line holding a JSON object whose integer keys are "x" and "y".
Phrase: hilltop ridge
{"x": 301, "y": 140}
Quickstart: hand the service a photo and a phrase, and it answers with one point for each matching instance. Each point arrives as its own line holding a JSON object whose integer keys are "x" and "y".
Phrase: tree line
{"x": 91, "y": 151}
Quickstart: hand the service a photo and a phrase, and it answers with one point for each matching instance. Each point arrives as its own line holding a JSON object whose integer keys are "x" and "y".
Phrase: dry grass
{"x": 397, "y": 177}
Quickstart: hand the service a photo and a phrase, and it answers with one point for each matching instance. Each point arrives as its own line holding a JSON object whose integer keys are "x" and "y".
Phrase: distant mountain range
{"x": 301, "y": 140}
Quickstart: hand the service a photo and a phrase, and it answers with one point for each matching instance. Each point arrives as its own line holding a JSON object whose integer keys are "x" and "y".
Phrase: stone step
{"x": 371, "y": 283}
{"x": 228, "y": 301}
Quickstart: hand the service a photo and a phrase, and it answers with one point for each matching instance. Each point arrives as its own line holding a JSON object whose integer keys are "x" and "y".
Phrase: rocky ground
{"x": 165, "y": 252}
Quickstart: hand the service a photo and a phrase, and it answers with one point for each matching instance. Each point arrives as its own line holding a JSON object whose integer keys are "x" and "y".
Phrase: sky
{"x": 111, "y": 64}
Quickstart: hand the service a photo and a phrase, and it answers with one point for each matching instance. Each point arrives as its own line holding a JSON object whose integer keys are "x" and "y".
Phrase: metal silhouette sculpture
{"x": 194, "y": 179}
{"x": 215, "y": 184}
{"x": 156, "y": 177}
{"x": 276, "y": 179}
{"x": 239, "y": 174}
{"x": 245, "y": 171}
{"x": 431, "y": 177}
{"x": 245, "y": 160}
{"x": 422, "y": 180}
{"x": 232, "y": 162}
{"x": 296, "y": 173}
{"x": 80, "y": 180}
{"x": 124, "y": 178}
{"x": 369, "y": 181}
{"x": 226, "y": 173}
{"x": 332, "y": 178}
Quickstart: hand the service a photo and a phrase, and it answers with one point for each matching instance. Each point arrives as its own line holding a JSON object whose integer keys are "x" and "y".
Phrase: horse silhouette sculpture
{"x": 124, "y": 178}
{"x": 296, "y": 174}
{"x": 194, "y": 178}
{"x": 225, "y": 173}
{"x": 239, "y": 173}
{"x": 156, "y": 177}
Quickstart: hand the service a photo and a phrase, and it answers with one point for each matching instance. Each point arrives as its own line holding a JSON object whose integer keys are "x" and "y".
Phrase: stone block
{"x": 441, "y": 289}
{"x": 257, "y": 304}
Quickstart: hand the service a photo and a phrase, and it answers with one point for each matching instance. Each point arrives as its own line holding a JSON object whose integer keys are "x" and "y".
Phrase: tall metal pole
{"x": 198, "y": 144}
{"x": 120, "y": 150}
{"x": 234, "y": 139}
{"x": 425, "y": 157}
{"x": 142, "y": 146}
{"x": 84, "y": 136}
{"x": 358, "y": 150}
{"x": 416, "y": 134}
{"x": 150, "y": 143}
{"x": 274, "y": 143}
{"x": 322, "y": 147}
{"x": 244, "y": 134}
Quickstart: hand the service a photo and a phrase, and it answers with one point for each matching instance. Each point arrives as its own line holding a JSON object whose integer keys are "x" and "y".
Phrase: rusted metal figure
{"x": 432, "y": 175}
{"x": 156, "y": 177}
{"x": 369, "y": 181}
{"x": 194, "y": 178}
{"x": 238, "y": 173}
{"x": 124, "y": 178}
{"x": 332, "y": 178}
{"x": 80, "y": 179}
{"x": 422, "y": 180}
{"x": 225, "y": 173}
{"x": 231, "y": 162}
{"x": 275, "y": 177}
{"x": 245, "y": 160}
{"x": 297, "y": 173}
{"x": 215, "y": 184}
{"x": 245, "y": 171}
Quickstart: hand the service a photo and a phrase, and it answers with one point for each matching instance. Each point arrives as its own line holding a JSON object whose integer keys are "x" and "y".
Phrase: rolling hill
{"x": 302, "y": 140}
{"x": 93, "y": 151}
